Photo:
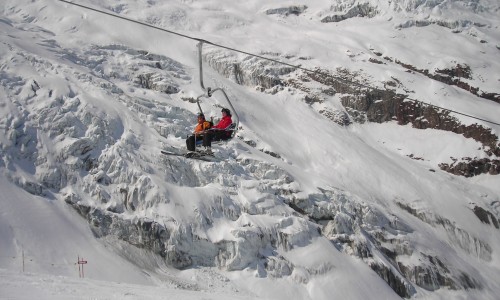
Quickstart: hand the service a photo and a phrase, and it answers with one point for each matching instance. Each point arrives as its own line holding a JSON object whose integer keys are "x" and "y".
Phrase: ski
{"x": 192, "y": 155}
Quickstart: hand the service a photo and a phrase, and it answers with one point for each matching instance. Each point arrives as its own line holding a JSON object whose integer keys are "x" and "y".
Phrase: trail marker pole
{"x": 80, "y": 269}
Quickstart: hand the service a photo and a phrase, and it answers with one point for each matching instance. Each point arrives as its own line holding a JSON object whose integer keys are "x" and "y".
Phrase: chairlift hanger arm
{"x": 200, "y": 64}
{"x": 198, "y": 103}
{"x": 209, "y": 91}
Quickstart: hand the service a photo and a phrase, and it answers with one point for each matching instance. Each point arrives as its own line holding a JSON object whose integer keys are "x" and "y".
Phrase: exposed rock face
{"x": 155, "y": 82}
{"x": 250, "y": 71}
{"x": 339, "y": 117}
{"x": 383, "y": 243}
{"x": 392, "y": 280}
{"x": 267, "y": 77}
{"x": 486, "y": 216}
{"x": 359, "y": 10}
{"x": 455, "y": 25}
{"x": 461, "y": 238}
{"x": 453, "y": 76}
{"x": 343, "y": 10}
{"x": 182, "y": 246}
{"x": 285, "y": 11}
{"x": 472, "y": 167}
{"x": 383, "y": 106}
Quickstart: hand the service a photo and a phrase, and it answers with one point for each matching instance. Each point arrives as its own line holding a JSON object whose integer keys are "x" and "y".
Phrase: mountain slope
{"x": 298, "y": 201}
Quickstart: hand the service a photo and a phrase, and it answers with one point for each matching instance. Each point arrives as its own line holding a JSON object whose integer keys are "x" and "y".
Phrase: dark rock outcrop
{"x": 285, "y": 11}
{"x": 359, "y": 10}
{"x": 486, "y": 216}
{"x": 379, "y": 106}
{"x": 156, "y": 82}
{"x": 473, "y": 167}
{"x": 453, "y": 76}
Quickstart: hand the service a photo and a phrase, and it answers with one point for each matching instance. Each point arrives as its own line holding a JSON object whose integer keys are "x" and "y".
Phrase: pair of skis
{"x": 199, "y": 155}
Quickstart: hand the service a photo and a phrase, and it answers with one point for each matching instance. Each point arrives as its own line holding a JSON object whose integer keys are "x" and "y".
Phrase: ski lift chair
{"x": 231, "y": 128}
{"x": 208, "y": 92}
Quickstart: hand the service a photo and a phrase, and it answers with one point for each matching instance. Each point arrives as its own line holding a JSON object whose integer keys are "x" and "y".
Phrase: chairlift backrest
{"x": 232, "y": 129}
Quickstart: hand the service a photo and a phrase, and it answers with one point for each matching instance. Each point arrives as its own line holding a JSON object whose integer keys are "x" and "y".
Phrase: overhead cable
{"x": 318, "y": 72}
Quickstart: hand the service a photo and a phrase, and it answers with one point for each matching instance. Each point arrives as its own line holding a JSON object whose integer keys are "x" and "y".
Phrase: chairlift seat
{"x": 231, "y": 128}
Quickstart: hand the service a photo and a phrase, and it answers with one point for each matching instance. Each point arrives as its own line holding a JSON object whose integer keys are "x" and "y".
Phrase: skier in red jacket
{"x": 219, "y": 131}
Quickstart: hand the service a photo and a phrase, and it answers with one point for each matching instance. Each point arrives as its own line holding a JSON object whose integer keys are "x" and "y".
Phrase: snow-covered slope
{"x": 329, "y": 190}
